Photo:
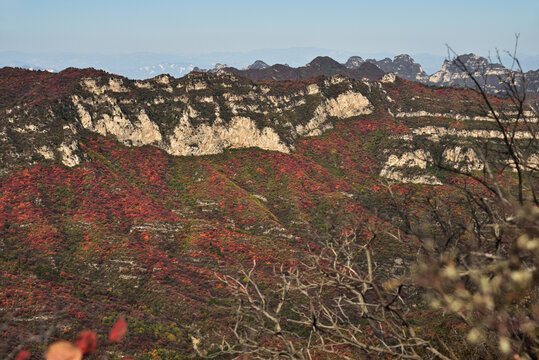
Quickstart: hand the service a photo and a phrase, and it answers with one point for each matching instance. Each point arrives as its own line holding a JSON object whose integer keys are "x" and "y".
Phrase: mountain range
{"x": 147, "y": 65}
{"x": 322, "y": 65}
{"x": 404, "y": 66}
{"x": 134, "y": 197}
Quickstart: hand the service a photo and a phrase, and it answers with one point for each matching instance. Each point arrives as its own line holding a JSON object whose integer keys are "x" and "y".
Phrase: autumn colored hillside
{"x": 131, "y": 229}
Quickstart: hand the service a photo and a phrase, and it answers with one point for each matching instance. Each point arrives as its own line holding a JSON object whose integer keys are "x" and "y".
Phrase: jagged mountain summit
{"x": 402, "y": 65}
{"x": 452, "y": 75}
{"x": 354, "y": 62}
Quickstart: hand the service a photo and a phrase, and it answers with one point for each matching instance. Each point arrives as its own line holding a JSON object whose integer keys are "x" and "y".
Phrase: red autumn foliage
{"x": 86, "y": 341}
{"x": 23, "y": 355}
{"x": 142, "y": 218}
{"x": 38, "y": 87}
{"x": 118, "y": 330}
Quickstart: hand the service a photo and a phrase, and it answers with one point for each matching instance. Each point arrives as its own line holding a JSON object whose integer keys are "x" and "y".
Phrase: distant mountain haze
{"x": 144, "y": 66}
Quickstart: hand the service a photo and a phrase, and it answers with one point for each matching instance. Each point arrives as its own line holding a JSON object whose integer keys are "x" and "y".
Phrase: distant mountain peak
{"x": 470, "y": 56}
{"x": 320, "y": 61}
{"x": 402, "y": 65}
{"x": 354, "y": 62}
{"x": 219, "y": 66}
{"x": 471, "y": 61}
{"x": 453, "y": 74}
{"x": 258, "y": 65}
{"x": 319, "y": 66}
{"x": 404, "y": 57}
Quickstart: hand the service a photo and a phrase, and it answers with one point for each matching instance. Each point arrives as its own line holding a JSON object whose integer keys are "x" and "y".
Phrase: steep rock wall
{"x": 201, "y": 131}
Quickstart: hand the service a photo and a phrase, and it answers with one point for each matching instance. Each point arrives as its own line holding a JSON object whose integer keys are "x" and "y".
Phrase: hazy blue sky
{"x": 203, "y": 26}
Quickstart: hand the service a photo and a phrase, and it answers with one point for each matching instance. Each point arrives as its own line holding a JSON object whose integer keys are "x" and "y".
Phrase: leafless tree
{"x": 480, "y": 266}
{"x": 335, "y": 305}
{"x": 489, "y": 276}
{"x": 514, "y": 118}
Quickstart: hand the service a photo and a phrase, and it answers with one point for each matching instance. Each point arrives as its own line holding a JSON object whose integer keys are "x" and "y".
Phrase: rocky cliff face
{"x": 454, "y": 133}
{"x": 199, "y": 114}
{"x": 452, "y": 75}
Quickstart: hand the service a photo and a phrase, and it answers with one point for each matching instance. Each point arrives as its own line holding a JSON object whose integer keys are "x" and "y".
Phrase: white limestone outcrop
{"x": 418, "y": 158}
{"x": 466, "y": 160}
{"x": 388, "y": 78}
{"x": 436, "y": 132}
{"x": 140, "y": 132}
{"x": 114, "y": 85}
{"x": 397, "y": 175}
{"x": 205, "y": 139}
{"x": 68, "y": 157}
{"x": 194, "y": 135}
{"x": 46, "y": 152}
{"x": 343, "y": 106}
